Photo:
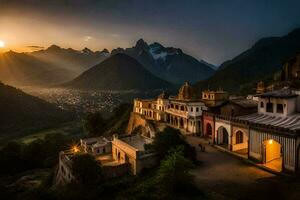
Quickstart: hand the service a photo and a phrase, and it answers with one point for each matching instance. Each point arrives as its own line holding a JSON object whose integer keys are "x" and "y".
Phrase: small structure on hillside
{"x": 122, "y": 155}
{"x": 96, "y": 145}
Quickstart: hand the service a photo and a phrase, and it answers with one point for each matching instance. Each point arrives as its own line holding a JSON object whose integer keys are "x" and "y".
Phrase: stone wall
{"x": 136, "y": 120}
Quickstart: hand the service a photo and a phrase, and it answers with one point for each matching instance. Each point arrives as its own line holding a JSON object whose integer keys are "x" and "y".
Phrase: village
{"x": 261, "y": 129}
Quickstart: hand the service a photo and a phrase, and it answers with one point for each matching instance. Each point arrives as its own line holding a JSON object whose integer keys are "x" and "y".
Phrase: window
{"x": 172, "y": 105}
{"x": 239, "y": 137}
{"x": 182, "y": 108}
{"x": 149, "y": 105}
{"x": 261, "y": 104}
{"x": 176, "y": 107}
{"x": 197, "y": 109}
{"x": 191, "y": 109}
{"x": 279, "y": 108}
{"x": 270, "y": 107}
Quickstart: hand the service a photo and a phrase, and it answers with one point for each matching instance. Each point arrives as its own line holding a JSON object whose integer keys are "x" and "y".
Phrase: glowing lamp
{"x": 75, "y": 149}
{"x": 270, "y": 141}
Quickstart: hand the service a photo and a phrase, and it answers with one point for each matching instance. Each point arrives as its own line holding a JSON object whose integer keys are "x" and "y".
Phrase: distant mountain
{"x": 20, "y": 69}
{"x": 168, "y": 63}
{"x": 21, "y": 113}
{"x": 72, "y": 60}
{"x": 118, "y": 72}
{"x": 262, "y": 60}
{"x": 49, "y": 67}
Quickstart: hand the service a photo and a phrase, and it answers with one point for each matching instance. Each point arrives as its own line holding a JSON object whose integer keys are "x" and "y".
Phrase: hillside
{"x": 168, "y": 63}
{"x": 20, "y": 69}
{"x": 21, "y": 113}
{"x": 259, "y": 62}
{"x": 69, "y": 59}
{"x": 118, "y": 72}
{"x": 48, "y": 67}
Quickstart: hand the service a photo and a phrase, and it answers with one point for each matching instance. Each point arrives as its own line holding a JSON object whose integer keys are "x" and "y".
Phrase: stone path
{"x": 223, "y": 176}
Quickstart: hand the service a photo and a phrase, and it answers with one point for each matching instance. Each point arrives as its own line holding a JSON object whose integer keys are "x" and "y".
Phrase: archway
{"x": 181, "y": 124}
{"x": 223, "y": 136}
{"x": 272, "y": 155}
{"x": 208, "y": 129}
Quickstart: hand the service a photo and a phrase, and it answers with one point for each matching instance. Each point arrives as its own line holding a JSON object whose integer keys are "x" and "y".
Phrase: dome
{"x": 186, "y": 92}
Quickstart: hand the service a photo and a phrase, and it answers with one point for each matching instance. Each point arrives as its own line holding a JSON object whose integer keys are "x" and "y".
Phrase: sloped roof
{"x": 283, "y": 93}
{"x": 245, "y": 103}
{"x": 291, "y": 122}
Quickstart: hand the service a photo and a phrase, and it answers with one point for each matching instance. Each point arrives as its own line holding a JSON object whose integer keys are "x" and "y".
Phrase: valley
{"x": 86, "y": 101}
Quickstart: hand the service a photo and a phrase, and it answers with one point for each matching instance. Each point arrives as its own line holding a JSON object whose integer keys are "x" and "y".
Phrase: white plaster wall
{"x": 218, "y": 124}
{"x": 289, "y": 106}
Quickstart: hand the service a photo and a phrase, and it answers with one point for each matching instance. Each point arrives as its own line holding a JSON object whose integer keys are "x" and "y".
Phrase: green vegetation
{"x": 96, "y": 125}
{"x": 42, "y": 153}
{"x": 169, "y": 138}
{"x": 23, "y": 114}
{"x": 86, "y": 169}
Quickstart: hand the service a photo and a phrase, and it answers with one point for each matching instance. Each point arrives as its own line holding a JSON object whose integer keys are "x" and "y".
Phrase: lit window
{"x": 239, "y": 137}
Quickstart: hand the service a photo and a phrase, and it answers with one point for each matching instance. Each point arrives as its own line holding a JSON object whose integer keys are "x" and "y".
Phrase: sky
{"x": 212, "y": 30}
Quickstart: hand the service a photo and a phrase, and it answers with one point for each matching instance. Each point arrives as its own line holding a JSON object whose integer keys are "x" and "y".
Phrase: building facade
{"x": 269, "y": 136}
{"x": 183, "y": 111}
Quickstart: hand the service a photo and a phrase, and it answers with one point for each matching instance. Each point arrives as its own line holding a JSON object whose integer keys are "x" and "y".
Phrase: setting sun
{"x": 2, "y": 44}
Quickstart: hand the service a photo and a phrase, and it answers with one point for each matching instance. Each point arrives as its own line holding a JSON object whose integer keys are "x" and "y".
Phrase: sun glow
{"x": 2, "y": 44}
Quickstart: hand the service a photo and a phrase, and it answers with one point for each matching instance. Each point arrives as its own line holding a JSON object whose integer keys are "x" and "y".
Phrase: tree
{"x": 174, "y": 172}
{"x": 94, "y": 124}
{"x": 170, "y": 138}
{"x": 86, "y": 169}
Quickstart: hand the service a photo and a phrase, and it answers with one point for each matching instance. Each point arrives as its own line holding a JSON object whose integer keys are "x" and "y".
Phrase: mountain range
{"x": 261, "y": 61}
{"x": 48, "y": 67}
{"x": 118, "y": 72}
{"x": 22, "y": 113}
{"x": 168, "y": 63}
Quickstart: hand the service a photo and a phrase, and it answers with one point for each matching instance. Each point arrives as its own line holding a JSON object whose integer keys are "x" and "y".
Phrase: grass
{"x": 73, "y": 129}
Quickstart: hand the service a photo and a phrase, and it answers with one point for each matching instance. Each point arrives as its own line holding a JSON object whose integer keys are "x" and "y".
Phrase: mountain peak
{"x": 54, "y": 47}
{"x": 141, "y": 45}
{"x": 104, "y": 51}
{"x": 87, "y": 51}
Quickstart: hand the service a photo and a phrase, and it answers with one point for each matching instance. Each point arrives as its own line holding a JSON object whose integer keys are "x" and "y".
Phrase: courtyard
{"x": 223, "y": 176}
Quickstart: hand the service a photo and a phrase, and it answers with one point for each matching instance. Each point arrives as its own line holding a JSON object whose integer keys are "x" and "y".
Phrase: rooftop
{"x": 283, "y": 93}
{"x": 136, "y": 141}
{"x": 245, "y": 103}
{"x": 291, "y": 122}
{"x": 95, "y": 141}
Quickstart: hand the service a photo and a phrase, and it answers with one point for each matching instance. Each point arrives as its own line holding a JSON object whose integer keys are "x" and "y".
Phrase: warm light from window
{"x": 270, "y": 141}
{"x": 75, "y": 149}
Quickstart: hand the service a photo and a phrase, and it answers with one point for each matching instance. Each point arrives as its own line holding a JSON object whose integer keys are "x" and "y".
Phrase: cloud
{"x": 87, "y": 38}
{"x": 35, "y": 47}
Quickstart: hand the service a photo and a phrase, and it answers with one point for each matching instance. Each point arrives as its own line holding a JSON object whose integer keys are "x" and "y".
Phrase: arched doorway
{"x": 272, "y": 155}
{"x": 208, "y": 129}
{"x": 223, "y": 136}
{"x": 181, "y": 124}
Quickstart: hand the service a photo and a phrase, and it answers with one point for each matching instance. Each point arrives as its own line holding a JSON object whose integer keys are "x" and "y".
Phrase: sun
{"x": 2, "y": 44}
